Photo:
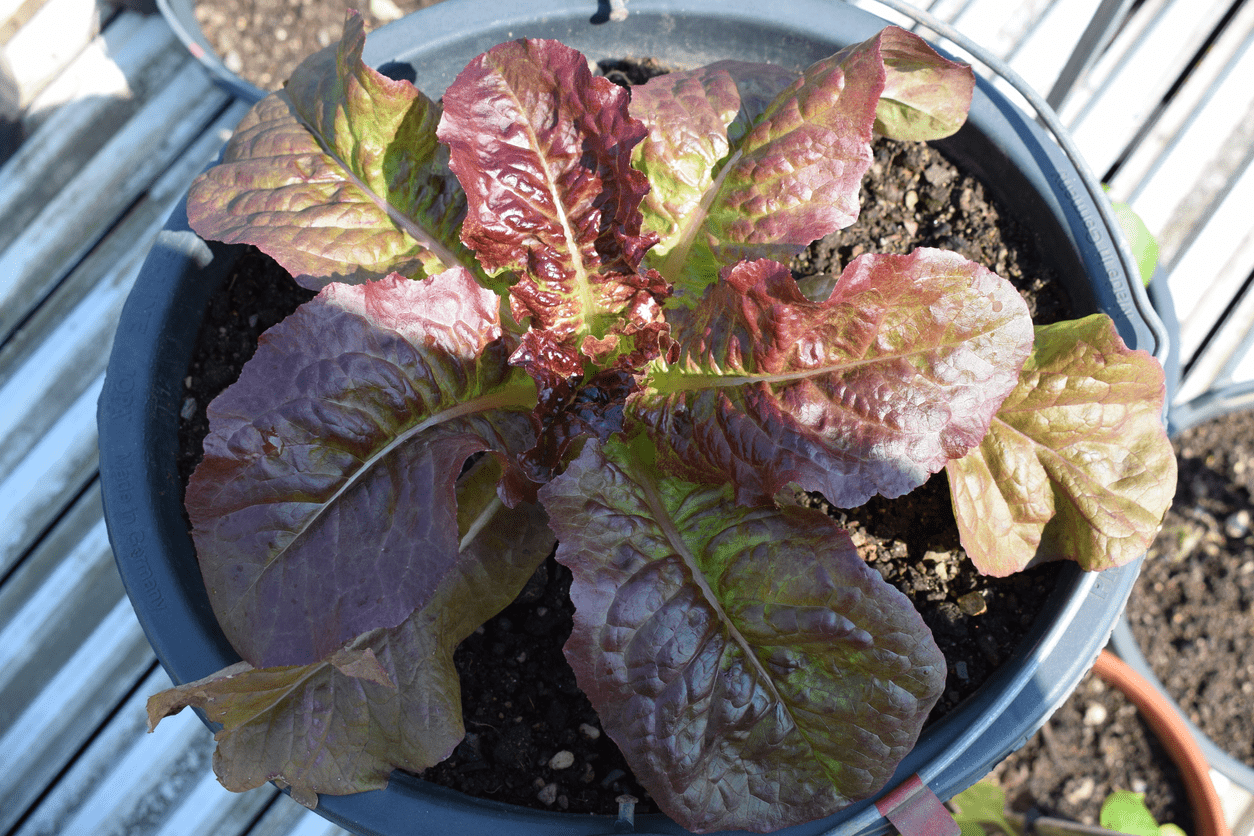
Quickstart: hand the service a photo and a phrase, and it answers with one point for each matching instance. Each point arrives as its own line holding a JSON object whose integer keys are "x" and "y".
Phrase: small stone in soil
{"x": 564, "y": 759}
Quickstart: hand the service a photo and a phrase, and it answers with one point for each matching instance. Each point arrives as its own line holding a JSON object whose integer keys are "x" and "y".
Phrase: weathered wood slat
{"x": 57, "y": 468}
{"x": 84, "y": 691}
{"x": 52, "y": 602}
{"x": 49, "y": 41}
{"x": 129, "y": 782}
{"x": 997, "y": 26}
{"x": 1227, "y": 357}
{"x": 113, "y": 77}
{"x": 1139, "y": 69}
{"x": 52, "y": 369}
{"x": 1036, "y": 55}
{"x": 207, "y": 809}
{"x": 287, "y": 818}
{"x": 1206, "y": 152}
{"x": 83, "y": 211}
{"x": 65, "y": 345}
{"x": 1183, "y": 129}
{"x": 1208, "y": 276}
{"x": 1210, "y": 271}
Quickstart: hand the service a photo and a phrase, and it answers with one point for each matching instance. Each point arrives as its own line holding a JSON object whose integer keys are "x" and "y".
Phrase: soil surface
{"x": 262, "y": 41}
{"x": 1192, "y": 612}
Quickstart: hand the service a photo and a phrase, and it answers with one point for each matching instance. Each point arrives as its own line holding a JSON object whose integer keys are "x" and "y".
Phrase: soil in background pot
{"x": 262, "y": 41}
{"x": 1095, "y": 744}
{"x": 533, "y": 738}
{"x": 1192, "y": 608}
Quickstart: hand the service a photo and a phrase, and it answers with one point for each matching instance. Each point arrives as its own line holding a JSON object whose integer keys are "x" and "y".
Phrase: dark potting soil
{"x": 1192, "y": 609}
{"x": 532, "y": 737}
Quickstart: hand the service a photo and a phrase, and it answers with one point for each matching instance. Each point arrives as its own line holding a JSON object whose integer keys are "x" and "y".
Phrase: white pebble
{"x": 562, "y": 760}
{"x": 1095, "y": 714}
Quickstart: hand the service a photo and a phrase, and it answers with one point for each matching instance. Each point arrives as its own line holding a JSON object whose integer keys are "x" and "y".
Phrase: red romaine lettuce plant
{"x": 587, "y": 287}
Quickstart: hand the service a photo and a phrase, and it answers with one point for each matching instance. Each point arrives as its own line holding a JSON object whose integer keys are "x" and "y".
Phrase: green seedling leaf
{"x": 981, "y": 806}
{"x": 1125, "y": 812}
{"x": 1143, "y": 243}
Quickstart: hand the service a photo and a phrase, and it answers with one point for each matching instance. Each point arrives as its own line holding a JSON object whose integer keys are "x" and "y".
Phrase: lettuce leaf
{"x": 391, "y": 698}
{"x": 543, "y": 151}
{"x": 324, "y": 505}
{"x": 754, "y": 671}
{"x": 868, "y": 392}
{"x": 338, "y": 177}
{"x": 745, "y": 161}
{"x": 1076, "y": 464}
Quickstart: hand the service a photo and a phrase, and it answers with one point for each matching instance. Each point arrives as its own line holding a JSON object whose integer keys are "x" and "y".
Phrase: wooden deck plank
{"x": 73, "y": 221}
{"x": 1211, "y": 272}
{"x": 49, "y": 41}
{"x": 287, "y": 818}
{"x": 109, "y": 82}
{"x": 53, "y": 368}
{"x": 65, "y": 346}
{"x": 69, "y": 709}
{"x": 54, "y": 600}
{"x": 1209, "y": 150}
{"x": 1191, "y": 110}
{"x": 55, "y": 470}
{"x": 131, "y": 782}
{"x": 1227, "y": 357}
{"x": 1104, "y": 125}
{"x": 1036, "y": 55}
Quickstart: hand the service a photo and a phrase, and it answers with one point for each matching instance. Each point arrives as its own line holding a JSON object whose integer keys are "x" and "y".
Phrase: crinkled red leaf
{"x": 745, "y": 163}
{"x": 338, "y": 176}
{"x": 543, "y": 151}
{"x": 925, "y": 96}
{"x": 752, "y": 669}
{"x": 791, "y": 179}
{"x": 867, "y": 392}
{"x": 324, "y": 505}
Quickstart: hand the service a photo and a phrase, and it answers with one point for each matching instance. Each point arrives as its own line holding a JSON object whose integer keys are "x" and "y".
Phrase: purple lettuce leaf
{"x": 736, "y": 174}
{"x": 339, "y": 177}
{"x": 543, "y": 151}
{"x": 1077, "y": 463}
{"x": 389, "y": 699}
{"x": 753, "y": 670}
{"x": 324, "y": 505}
{"x": 868, "y": 392}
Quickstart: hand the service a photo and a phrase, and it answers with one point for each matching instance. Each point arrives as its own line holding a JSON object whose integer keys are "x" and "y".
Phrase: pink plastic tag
{"x": 916, "y": 811}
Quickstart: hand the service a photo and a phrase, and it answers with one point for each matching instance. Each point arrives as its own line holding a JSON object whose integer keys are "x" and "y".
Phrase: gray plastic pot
{"x": 1003, "y": 147}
